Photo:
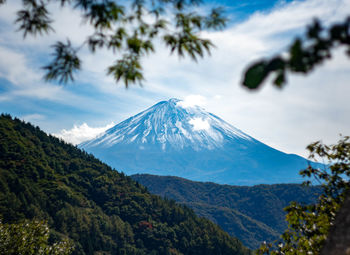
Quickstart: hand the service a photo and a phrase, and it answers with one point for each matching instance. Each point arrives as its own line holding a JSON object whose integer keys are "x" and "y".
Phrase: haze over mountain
{"x": 172, "y": 138}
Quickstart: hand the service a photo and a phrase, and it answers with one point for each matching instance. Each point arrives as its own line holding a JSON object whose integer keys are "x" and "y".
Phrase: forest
{"x": 253, "y": 214}
{"x": 97, "y": 208}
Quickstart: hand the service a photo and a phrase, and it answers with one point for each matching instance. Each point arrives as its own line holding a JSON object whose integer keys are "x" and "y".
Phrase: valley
{"x": 253, "y": 214}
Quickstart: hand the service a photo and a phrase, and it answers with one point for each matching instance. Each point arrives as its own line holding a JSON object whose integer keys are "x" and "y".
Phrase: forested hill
{"x": 101, "y": 210}
{"x": 252, "y": 213}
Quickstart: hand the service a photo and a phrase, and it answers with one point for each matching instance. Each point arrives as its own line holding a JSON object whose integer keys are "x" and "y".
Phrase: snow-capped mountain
{"x": 170, "y": 138}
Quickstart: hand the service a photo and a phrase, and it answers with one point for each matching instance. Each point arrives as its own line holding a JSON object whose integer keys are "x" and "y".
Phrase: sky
{"x": 310, "y": 108}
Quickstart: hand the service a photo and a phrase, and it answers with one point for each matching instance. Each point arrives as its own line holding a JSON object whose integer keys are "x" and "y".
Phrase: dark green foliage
{"x": 303, "y": 56}
{"x": 34, "y": 18}
{"x": 100, "y": 210}
{"x": 64, "y": 65}
{"x": 128, "y": 28}
{"x": 253, "y": 214}
{"x": 129, "y": 69}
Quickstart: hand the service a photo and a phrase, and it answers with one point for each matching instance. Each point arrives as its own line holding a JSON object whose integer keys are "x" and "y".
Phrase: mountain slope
{"x": 252, "y": 213}
{"x": 170, "y": 138}
{"x": 102, "y": 211}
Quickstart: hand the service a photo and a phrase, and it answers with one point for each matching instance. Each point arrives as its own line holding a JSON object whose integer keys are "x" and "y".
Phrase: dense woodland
{"x": 101, "y": 210}
{"x": 251, "y": 213}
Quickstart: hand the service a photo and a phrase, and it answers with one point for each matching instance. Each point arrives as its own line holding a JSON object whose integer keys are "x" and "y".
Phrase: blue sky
{"x": 308, "y": 109}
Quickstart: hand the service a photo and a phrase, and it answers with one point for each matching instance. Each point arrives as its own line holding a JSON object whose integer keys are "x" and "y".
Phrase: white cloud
{"x": 81, "y": 133}
{"x": 15, "y": 67}
{"x": 199, "y": 124}
{"x": 193, "y": 100}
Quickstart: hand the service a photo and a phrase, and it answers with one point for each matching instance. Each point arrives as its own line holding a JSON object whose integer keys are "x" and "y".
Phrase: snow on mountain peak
{"x": 199, "y": 124}
{"x": 172, "y": 138}
{"x": 170, "y": 124}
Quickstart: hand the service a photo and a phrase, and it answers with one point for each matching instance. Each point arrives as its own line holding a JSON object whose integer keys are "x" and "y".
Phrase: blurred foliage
{"x": 30, "y": 237}
{"x": 253, "y": 214}
{"x": 66, "y": 62}
{"x": 100, "y": 210}
{"x": 303, "y": 55}
{"x": 310, "y": 224}
{"x": 129, "y": 28}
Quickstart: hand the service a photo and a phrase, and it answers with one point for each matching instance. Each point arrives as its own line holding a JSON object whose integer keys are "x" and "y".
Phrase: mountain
{"x": 251, "y": 213}
{"x": 99, "y": 209}
{"x": 170, "y": 138}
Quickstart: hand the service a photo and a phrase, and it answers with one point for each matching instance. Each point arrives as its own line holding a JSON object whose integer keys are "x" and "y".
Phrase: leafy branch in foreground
{"x": 30, "y": 237}
{"x": 128, "y": 28}
{"x": 34, "y": 18}
{"x": 303, "y": 55}
{"x": 310, "y": 224}
{"x": 129, "y": 69}
{"x": 65, "y": 63}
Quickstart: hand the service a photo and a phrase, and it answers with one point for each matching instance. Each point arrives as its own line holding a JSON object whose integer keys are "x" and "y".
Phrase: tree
{"x": 30, "y": 237}
{"x": 129, "y": 28}
{"x": 303, "y": 55}
{"x": 309, "y": 224}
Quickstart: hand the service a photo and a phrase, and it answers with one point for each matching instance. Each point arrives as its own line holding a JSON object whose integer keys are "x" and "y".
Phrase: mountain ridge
{"x": 170, "y": 138}
{"x": 252, "y": 213}
{"x": 177, "y": 135}
{"x": 101, "y": 210}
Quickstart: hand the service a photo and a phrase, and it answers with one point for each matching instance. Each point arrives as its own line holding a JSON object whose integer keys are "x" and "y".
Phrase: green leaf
{"x": 65, "y": 63}
{"x": 216, "y": 19}
{"x": 127, "y": 69}
{"x": 255, "y": 75}
{"x": 34, "y": 19}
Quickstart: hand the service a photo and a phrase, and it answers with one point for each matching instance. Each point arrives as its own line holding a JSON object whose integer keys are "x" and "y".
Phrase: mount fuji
{"x": 171, "y": 138}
